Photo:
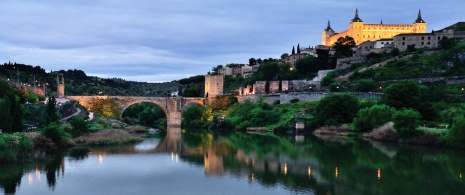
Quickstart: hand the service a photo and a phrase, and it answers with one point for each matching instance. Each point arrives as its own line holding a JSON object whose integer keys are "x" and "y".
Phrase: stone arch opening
{"x": 145, "y": 113}
{"x": 190, "y": 104}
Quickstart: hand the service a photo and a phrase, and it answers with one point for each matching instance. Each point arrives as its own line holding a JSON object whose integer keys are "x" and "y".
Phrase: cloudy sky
{"x": 164, "y": 40}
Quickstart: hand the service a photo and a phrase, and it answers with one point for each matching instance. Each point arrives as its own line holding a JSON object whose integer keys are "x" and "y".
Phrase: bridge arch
{"x": 143, "y": 101}
{"x": 172, "y": 106}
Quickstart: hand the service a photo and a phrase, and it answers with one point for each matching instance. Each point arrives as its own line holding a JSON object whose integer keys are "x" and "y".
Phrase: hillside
{"x": 78, "y": 83}
{"x": 444, "y": 67}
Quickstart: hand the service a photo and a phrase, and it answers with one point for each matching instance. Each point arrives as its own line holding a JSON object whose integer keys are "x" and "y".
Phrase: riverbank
{"x": 387, "y": 133}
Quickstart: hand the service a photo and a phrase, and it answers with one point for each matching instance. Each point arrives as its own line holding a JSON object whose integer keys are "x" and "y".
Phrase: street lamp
{"x": 17, "y": 72}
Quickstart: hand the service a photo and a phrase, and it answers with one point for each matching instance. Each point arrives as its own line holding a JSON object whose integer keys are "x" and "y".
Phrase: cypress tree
{"x": 293, "y": 50}
{"x": 298, "y": 48}
{"x": 52, "y": 115}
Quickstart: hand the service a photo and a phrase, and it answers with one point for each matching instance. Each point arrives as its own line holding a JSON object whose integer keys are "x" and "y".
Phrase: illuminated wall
{"x": 362, "y": 32}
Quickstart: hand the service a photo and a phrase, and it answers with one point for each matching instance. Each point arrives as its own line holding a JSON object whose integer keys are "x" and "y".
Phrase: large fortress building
{"x": 362, "y": 32}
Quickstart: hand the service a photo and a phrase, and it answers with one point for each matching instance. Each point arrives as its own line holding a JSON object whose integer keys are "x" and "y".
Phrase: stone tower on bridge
{"x": 213, "y": 85}
{"x": 60, "y": 86}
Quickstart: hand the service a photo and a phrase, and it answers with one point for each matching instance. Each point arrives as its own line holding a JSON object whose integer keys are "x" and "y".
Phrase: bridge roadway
{"x": 172, "y": 106}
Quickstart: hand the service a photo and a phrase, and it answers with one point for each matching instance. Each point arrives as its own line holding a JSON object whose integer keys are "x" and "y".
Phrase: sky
{"x": 165, "y": 40}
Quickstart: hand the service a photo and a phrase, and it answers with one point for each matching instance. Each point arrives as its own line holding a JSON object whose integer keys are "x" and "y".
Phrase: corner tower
{"x": 356, "y": 26}
{"x": 419, "y": 26}
{"x": 60, "y": 86}
{"x": 327, "y": 33}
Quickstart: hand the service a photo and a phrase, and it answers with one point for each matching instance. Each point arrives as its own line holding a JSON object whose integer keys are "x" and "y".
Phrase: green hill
{"x": 78, "y": 83}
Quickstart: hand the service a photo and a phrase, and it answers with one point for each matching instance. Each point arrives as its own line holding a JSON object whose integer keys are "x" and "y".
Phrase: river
{"x": 183, "y": 163}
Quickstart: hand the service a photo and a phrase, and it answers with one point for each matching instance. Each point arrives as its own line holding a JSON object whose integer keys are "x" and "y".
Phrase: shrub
{"x": 53, "y": 131}
{"x": 406, "y": 121}
{"x": 448, "y": 115}
{"x": 457, "y": 132}
{"x": 79, "y": 125}
{"x": 295, "y": 100}
{"x": 373, "y": 117}
{"x": 336, "y": 109}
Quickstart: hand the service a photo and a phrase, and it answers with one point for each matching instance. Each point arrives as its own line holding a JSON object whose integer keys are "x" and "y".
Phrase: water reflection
{"x": 305, "y": 165}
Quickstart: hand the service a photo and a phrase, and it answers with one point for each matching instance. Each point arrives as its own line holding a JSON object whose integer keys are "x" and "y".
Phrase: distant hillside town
{"x": 364, "y": 40}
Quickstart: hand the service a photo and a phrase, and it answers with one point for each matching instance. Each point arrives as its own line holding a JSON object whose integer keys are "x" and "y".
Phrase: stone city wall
{"x": 287, "y": 97}
{"x": 270, "y": 99}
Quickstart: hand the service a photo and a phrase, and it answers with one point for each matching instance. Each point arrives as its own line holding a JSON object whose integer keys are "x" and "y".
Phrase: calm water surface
{"x": 242, "y": 164}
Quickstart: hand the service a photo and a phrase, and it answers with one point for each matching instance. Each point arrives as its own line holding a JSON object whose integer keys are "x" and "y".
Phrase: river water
{"x": 242, "y": 164}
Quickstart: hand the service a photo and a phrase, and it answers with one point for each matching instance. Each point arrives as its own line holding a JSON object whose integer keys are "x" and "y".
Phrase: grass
{"x": 14, "y": 146}
{"x": 108, "y": 137}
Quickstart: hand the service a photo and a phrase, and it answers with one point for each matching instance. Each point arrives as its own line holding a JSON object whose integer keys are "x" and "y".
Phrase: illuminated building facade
{"x": 362, "y": 32}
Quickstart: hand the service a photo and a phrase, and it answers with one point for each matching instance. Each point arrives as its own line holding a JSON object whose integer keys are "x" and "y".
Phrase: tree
{"x": 406, "y": 121}
{"x": 252, "y": 61}
{"x": 365, "y": 85}
{"x": 284, "y": 56}
{"x": 457, "y": 132}
{"x": 107, "y": 108}
{"x": 337, "y": 109}
{"x": 79, "y": 125}
{"x": 195, "y": 117}
{"x": 6, "y": 121}
{"x": 52, "y": 115}
{"x": 298, "y": 48}
{"x": 343, "y": 46}
{"x": 293, "y": 50}
{"x": 447, "y": 43}
{"x": 403, "y": 94}
{"x": 411, "y": 48}
{"x": 369, "y": 118}
{"x": 307, "y": 65}
{"x": 192, "y": 92}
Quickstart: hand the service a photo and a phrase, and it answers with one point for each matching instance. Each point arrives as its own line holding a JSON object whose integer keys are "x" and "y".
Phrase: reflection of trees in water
{"x": 10, "y": 177}
{"x": 52, "y": 170}
{"x": 350, "y": 166}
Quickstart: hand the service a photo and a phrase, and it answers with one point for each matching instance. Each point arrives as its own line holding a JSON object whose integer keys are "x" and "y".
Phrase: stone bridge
{"x": 172, "y": 106}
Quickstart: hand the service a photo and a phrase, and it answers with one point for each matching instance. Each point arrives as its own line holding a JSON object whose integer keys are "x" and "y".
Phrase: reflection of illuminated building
{"x": 213, "y": 163}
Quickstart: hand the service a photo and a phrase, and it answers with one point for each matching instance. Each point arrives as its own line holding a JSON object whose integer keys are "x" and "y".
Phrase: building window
{"x": 429, "y": 38}
{"x": 422, "y": 38}
{"x": 382, "y": 42}
{"x": 403, "y": 43}
{"x": 422, "y": 43}
{"x": 403, "y": 38}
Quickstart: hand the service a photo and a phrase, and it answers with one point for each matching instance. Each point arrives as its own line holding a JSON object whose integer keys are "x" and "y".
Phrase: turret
{"x": 356, "y": 28}
{"x": 356, "y": 18}
{"x": 328, "y": 32}
{"x": 419, "y": 19}
{"x": 419, "y": 26}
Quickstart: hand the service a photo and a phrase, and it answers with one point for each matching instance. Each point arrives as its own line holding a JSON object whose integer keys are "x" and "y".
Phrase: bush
{"x": 53, "y": 131}
{"x": 406, "y": 121}
{"x": 13, "y": 146}
{"x": 373, "y": 117}
{"x": 79, "y": 125}
{"x": 295, "y": 100}
{"x": 457, "y": 132}
{"x": 449, "y": 115}
{"x": 337, "y": 109}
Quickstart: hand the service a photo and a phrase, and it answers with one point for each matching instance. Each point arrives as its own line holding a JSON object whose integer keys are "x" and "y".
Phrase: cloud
{"x": 171, "y": 39}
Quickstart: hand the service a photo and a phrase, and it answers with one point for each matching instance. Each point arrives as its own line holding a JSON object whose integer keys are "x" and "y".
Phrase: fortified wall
{"x": 286, "y": 98}
{"x": 273, "y": 87}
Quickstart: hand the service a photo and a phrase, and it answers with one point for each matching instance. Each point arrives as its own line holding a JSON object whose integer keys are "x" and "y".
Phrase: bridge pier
{"x": 174, "y": 119}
